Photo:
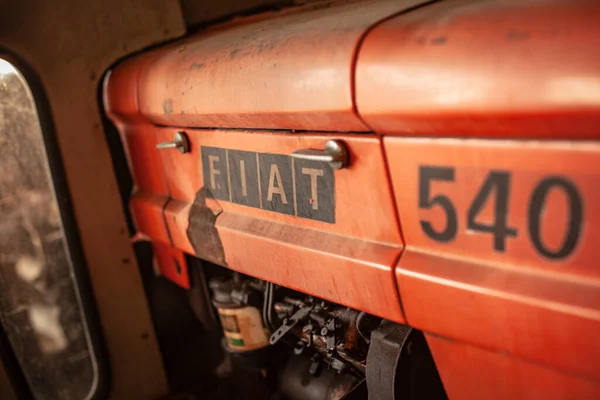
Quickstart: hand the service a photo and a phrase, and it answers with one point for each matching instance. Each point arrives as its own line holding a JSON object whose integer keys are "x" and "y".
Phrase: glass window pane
{"x": 40, "y": 307}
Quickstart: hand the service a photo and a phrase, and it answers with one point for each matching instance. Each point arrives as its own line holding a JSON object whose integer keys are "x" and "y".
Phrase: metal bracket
{"x": 290, "y": 323}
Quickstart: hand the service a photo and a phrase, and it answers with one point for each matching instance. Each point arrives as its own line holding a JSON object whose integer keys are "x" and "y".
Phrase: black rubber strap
{"x": 387, "y": 342}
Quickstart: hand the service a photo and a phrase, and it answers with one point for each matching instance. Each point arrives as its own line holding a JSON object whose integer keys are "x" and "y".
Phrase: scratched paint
{"x": 202, "y": 233}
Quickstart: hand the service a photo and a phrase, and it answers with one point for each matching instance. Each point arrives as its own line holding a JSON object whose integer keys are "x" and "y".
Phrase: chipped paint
{"x": 168, "y": 106}
{"x": 197, "y": 65}
{"x": 202, "y": 233}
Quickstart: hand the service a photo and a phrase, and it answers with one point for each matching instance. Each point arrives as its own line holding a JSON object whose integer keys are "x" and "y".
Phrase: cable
{"x": 270, "y": 310}
{"x": 266, "y": 307}
{"x": 359, "y": 319}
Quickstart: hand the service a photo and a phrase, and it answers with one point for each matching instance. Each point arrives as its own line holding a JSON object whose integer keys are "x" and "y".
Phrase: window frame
{"x": 101, "y": 386}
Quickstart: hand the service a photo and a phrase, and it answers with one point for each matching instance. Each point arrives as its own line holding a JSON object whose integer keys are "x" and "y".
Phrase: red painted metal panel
{"x": 471, "y": 373}
{"x": 518, "y": 271}
{"x": 287, "y": 70}
{"x": 568, "y": 171}
{"x": 347, "y": 271}
{"x": 484, "y": 68}
{"x": 548, "y": 320}
{"x": 148, "y": 214}
{"x": 171, "y": 264}
{"x": 515, "y": 274}
{"x": 144, "y": 160}
{"x": 120, "y": 92}
{"x": 150, "y": 192}
{"x": 349, "y": 261}
{"x": 364, "y": 204}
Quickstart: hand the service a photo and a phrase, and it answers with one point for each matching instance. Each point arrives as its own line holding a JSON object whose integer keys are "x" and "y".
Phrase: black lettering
{"x": 315, "y": 190}
{"x": 214, "y": 172}
{"x": 243, "y": 176}
{"x": 426, "y": 175}
{"x": 276, "y": 183}
{"x": 266, "y": 181}
{"x": 500, "y": 181}
{"x": 536, "y": 206}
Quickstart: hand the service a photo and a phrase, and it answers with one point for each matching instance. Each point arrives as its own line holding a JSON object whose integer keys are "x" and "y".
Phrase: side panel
{"x": 334, "y": 237}
{"x": 501, "y": 239}
{"x": 471, "y": 373}
{"x": 150, "y": 191}
{"x": 286, "y": 70}
{"x": 500, "y": 234}
{"x": 511, "y": 68}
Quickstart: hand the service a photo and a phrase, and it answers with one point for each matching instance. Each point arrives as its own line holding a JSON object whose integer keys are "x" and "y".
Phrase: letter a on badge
{"x": 275, "y": 186}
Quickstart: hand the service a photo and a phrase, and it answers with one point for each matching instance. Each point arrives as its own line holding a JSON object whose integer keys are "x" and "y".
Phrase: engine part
{"x": 321, "y": 350}
{"x": 308, "y": 379}
{"x": 241, "y": 321}
{"x": 330, "y": 330}
{"x": 289, "y": 324}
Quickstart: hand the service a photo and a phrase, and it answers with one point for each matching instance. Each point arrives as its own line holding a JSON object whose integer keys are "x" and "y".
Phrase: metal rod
{"x": 167, "y": 145}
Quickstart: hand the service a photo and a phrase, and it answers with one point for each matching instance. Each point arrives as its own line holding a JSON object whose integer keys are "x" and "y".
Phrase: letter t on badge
{"x": 314, "y": 193}
{"x": 315, "y": 190}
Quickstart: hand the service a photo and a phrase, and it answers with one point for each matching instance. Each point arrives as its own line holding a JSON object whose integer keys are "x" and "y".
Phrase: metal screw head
{"x": 180, "y": 142}
{"x": 337, "y": 150}
{"x": 183, "y": 144}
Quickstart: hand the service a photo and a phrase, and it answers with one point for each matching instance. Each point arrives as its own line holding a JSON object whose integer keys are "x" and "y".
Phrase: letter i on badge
{"x": 243, "y": 175}
{"x": 270, "y": 182}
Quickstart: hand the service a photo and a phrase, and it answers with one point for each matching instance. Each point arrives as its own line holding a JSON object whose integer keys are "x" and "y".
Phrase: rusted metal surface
{"x": 499, "y": 234}
{"x": 291, "y": 70}
{"x": 362, "y": 184}
{"x": 359, "y": 249}
{"x": 240, "y": 75}
{"x": 484, "y": 68}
